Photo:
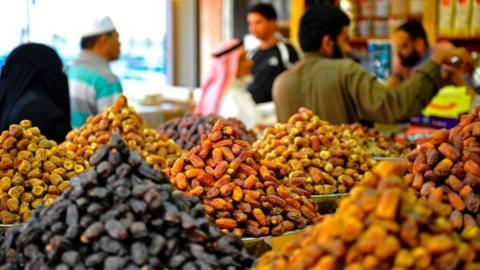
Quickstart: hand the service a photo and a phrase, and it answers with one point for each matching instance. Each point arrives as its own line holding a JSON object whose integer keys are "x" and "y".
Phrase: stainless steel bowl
{"x": 5, "y": 227}
{"x": 387, "y": 158}
{"x": 251, "y": 240}
{"x": 327, "y": 203}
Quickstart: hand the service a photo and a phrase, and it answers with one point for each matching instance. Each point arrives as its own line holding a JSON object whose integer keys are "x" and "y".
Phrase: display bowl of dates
{"x": 5, "y": 227}
{"x": 251, "y": 240}
{"x": 377, "y": 158}
{"x": 327, "y": 203}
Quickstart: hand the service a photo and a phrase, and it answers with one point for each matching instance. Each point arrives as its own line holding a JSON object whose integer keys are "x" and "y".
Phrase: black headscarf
{"x": 33, "y": 86}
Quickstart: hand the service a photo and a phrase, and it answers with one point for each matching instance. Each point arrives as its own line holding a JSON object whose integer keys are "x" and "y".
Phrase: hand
{"x": 452, "y": 76}
{"x": 444, "y": 55}
{"x": 393, "y": 82}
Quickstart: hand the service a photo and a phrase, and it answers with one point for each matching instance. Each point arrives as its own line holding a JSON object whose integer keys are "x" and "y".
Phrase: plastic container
{"x": 367, "y": 8}
{"x": 416, "y": 8}
{"x": 446, "y": 16}
{"x": 382, "y": 9}
{"x": 399, "y": 8}
{"x": 364, "y": 27}
{"x": 380, "y": 27}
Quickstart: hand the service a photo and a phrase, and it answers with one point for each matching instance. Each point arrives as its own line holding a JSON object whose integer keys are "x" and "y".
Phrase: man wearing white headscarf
{"x": 92, "y": 83}
{"x": 224, "y": 91}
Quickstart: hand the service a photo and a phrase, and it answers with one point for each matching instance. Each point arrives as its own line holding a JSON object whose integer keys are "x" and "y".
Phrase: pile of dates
{"x": 33, "y": 171}
{"x": 239, "y": 194}
{"x": 122, "y": 119}
{"x": 314, "y": 155}
{"x": 186, "y": 131}
{"x": 121, "y": 214}
{"x": 382, "y": 225}
{"x": 447, "y": 169}
{"x": 375, "y": 143}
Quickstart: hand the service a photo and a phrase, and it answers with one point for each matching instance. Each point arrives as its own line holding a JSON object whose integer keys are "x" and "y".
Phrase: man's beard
{"x": 337, "y": 52}
{"x": 411, "y": 60}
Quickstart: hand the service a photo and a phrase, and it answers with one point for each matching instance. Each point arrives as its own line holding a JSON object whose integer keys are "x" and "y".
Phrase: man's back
{"x": 342, "y": 91}
{"x": 92, "y": 87}
{"x": 317, "y": 85}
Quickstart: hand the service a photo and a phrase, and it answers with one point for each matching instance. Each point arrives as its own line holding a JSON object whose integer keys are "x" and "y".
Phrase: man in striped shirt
{"x": 91, "y": 81}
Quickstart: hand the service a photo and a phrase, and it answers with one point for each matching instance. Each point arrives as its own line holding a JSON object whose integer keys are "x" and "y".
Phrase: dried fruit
{"x": 448, "y": 166}
{"x": 82, "y": 231}
{"x": 414, "y": 236}
{"x": 320, "y": 157}
{"x": 122, "y": 119}
{"x": 187, "y": 131}
{"x": 239, "y": 194}
{"x": 27, "y": 169}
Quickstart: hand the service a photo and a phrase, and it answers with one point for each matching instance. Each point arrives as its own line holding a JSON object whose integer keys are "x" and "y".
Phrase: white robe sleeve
{"x": 237, "y": 102}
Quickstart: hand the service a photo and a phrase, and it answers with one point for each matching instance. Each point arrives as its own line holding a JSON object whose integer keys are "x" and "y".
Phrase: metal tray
{"x": 327, "y": 197}
{"x": 327, "y": 204}
{"x": 252, "y": 240}
{"x": 5, "y": 227}
{"x": 387, "y": 158}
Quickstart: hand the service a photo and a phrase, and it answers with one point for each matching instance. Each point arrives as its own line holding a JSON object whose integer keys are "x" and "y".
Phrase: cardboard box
{"x": 475, "y": 25}
{"x": 445, "y": 109}
{"x": 463, "y": 14}
{"x": 446, "y": 14}
{"x": 434, "y": 121}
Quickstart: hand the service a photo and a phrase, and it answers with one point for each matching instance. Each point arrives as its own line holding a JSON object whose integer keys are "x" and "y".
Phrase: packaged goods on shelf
{"x": 381, "y": 225}
{"x": 399, "y": 8}
{"x": 446, "y": 17}
{"x": 33, "y": 171}
{"x": 122, "y": 119}
{"x": 416, "y": 8}
{"x": 364, "y": 27}
{"x": 367, "y": 8}
{"x": 382, "y": 8}
{"x": 186, "y": 131}
{"x": 475, "y": 26}
{"x": 446, "y": 169}
{"x": 240, "y": 195}
{"x": 323, "y": 158}
{"x": 380, "y": 27}
{"x": 121, "y": 214}
{"x": 463, "y": 15}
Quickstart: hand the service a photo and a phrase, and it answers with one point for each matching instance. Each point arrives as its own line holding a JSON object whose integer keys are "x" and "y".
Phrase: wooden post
{"x": 183, "y": 43}
{"x": 211, "y": 31}
{"x": 430, "y": 18}
{"x": 297, "y": 8}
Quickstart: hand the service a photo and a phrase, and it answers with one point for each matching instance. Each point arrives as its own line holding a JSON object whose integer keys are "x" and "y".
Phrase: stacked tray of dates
{"x": 382, "y": 225}
{"x": 239, "y": 194}
{"x": 447, "y": 168}
{"x": 186, "y": 131}
{"x": 314, "y": 155}
{"x": 122, "y": 119}
{"x": 33, "y": 171}
{"x": 378, "y": 145}
{"x": 122, "y": 214}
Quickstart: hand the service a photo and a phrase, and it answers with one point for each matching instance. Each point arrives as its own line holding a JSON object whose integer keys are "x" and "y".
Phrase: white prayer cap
{"x": 99, "y": 26}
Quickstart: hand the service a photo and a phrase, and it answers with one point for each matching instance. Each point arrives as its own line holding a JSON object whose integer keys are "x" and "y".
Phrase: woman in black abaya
{"x": 33, "y": 86}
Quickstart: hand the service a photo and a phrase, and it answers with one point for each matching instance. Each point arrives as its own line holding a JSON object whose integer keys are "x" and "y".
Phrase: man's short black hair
{"x": 90, "y": 41}
{"x": 264, "y": 9}
{"x": 320, "y": 20}
{"x": 414, "y": 29}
